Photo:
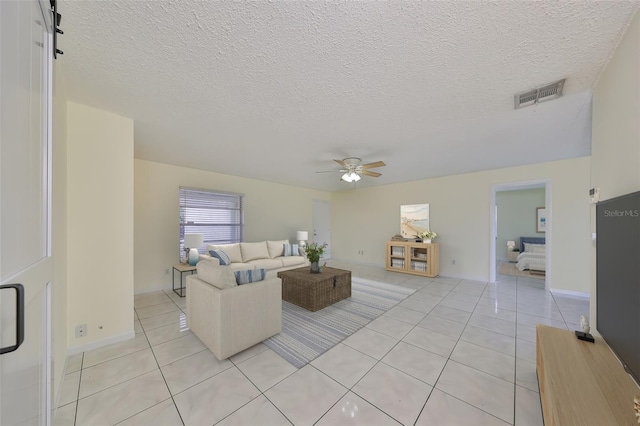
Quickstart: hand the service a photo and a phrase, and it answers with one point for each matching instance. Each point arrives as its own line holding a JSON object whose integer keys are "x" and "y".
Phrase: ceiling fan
{"x": 352, "y": 169}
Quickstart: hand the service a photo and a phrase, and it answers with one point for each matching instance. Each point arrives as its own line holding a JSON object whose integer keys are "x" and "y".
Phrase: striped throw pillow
{"x": 248, "y": 276}
{"x": 291, "y": 250}
{"x": 221, "y": 256}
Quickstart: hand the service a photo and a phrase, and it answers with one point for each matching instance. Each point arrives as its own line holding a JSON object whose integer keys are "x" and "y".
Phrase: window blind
{"x": 216, "y": 215}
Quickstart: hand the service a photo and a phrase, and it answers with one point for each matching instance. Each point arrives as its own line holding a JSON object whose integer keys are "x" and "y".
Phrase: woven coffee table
{"x": 315, "y": 291}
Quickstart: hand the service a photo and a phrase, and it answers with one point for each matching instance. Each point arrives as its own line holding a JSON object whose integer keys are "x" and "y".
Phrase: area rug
{"x": 306, "y": 335}
{"x": 506, "y": 268}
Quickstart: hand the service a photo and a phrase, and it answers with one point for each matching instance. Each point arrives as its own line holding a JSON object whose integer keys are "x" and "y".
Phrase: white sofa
{"x": 267, "y": 255}
{"x": 229, "y": 318}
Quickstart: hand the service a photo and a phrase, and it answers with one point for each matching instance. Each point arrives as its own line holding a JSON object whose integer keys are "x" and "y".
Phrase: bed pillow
{"x": 538, "y": 249}
{"x": 248, "y": 276}
{"x": 291, "y": 250}
{"x": 221, "y": 256}
{"x": 534, "y": 248}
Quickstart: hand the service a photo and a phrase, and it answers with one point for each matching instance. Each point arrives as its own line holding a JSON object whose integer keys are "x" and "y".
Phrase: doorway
{"x": 515, "y": 209}
{"x": 322, "y": 225}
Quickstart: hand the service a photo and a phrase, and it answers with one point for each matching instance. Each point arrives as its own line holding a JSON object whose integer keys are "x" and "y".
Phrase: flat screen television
{"x": 618, "y": 277}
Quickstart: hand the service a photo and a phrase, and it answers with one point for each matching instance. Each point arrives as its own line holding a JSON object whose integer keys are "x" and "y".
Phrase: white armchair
{"x": 230, "y": 320}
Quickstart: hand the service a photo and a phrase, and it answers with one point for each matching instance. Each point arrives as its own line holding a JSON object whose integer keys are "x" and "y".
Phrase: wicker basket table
{"x": 315, "y": 291}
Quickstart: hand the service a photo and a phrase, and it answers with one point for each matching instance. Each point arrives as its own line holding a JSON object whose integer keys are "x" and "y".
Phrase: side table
{"x": 181, "y": 268}
{"x": 512, "y": 256}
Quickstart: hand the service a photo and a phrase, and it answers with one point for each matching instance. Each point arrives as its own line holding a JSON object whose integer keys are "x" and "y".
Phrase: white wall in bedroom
{"x": 460, "y": 206}
{"x": 517, "y": 217}
{"x": 271, "y": 212}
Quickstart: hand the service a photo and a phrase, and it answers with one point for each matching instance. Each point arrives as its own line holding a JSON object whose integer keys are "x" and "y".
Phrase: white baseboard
{"x": 100, "y": 343}
{"x": 571, "y": 293}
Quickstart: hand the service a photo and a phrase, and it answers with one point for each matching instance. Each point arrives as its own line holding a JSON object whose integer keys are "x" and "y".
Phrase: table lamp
{"x": 511, "y": 245}
{"x": 302, "y": 237}
{"x": 193, "y": 242}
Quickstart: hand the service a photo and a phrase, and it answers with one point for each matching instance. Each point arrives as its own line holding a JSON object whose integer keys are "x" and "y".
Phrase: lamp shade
{"x": 511, "y": 245}
{"x": 193, "y": 240}
{"x": 302, "y": 235}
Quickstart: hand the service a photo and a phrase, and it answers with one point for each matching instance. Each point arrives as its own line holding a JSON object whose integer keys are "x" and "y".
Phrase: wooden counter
{"x": 581, "y": 383}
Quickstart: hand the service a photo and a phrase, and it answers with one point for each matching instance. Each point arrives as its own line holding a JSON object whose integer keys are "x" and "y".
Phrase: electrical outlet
{"x": 81, "y": 330}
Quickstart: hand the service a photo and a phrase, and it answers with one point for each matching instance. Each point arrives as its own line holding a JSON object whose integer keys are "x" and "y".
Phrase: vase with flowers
{"x": 314, "y": 252}
{"x": 426, "y": 236}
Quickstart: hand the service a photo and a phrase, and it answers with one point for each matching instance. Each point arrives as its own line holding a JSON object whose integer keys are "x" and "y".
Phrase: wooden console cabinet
{"x": 581, "y": 383}
{"x": 413, "y": 258}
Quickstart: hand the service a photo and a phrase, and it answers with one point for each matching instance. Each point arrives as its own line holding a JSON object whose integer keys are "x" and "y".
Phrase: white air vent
{"x": 541, "y": 94}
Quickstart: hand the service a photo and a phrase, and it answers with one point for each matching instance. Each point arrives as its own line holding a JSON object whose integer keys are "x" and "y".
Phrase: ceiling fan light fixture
{"x": 352, "y": 170}
{"x": 351, "y": 177}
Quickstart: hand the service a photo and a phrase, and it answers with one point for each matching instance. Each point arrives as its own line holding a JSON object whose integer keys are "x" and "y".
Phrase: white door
{"x": 322, "y": 225}
{"x": 25, "y": 255}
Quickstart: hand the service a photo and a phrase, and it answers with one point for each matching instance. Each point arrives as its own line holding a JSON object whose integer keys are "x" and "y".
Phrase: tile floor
{"x": 456, "y": 352}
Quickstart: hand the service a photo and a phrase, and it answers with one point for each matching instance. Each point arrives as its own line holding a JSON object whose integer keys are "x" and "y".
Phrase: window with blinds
{"x": 216, "y": 215}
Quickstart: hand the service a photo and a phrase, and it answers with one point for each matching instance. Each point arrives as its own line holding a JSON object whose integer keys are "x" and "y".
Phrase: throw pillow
{"x": 253, "y": 251}
{"x": 221, "y": 256}
{"x": 290, "y": 250}
{"x": 248, "y": 276}
{"x": 275, "y": 248}
{"x": 232, "y": 250}
{"x": 218, "y": 276}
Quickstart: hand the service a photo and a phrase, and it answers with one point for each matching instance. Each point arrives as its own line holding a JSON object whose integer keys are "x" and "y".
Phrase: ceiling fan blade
{"x": 368, "y": 173}
{"x": 373, "y": 165}
{"x": 342, "y": 163}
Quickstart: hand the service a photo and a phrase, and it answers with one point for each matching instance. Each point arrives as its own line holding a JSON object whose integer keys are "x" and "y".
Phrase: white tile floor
{"x": 456, "y": 352}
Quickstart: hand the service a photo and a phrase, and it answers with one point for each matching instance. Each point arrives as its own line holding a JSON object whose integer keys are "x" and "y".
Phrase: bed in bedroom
{"x": 532, "y": 255}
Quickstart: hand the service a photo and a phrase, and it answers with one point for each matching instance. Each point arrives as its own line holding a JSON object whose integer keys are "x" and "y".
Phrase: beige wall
{"x": 271, "y": 211}
{"x": 460, "y": 213}
{"x": 59, "y": 230}
{"x": 615, "y": 147}
{"x": 99, "y": 225}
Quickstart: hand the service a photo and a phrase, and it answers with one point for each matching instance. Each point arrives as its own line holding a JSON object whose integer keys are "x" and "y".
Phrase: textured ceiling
{"x": 276, "y": 90}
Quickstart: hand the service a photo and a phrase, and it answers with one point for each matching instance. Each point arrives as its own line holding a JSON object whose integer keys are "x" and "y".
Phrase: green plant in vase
{"x": 314, "y": 252}
{"x": 426, "y": 235}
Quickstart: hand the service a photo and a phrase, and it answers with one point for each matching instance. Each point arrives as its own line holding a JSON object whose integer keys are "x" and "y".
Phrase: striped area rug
{"x": 306, "y": 335}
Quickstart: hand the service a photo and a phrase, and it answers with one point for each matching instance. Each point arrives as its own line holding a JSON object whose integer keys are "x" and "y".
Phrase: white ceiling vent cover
{"x": 541, "y": 94}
